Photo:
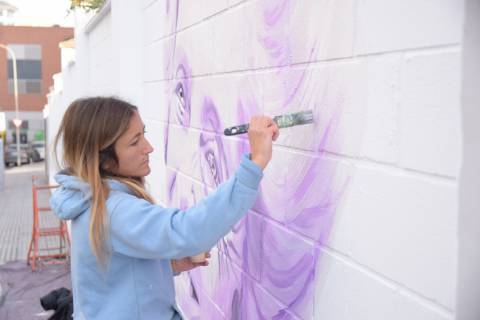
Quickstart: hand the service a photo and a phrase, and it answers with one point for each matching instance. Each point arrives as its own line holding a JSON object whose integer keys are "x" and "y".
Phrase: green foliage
{"x": 87, "y": 5}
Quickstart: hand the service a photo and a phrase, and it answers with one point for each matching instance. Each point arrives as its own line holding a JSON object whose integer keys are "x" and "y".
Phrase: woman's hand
{"x": 261, "y": 132}
{"x": 186, "y": 264}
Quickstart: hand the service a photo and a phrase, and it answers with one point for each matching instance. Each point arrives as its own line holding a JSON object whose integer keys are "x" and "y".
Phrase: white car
{"x": 40, "y": 147}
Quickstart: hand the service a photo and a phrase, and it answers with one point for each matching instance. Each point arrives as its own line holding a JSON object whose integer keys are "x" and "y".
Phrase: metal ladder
{"x": 34, "y": 250}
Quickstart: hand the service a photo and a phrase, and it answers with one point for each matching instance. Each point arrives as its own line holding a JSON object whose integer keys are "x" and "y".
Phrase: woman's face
{"x": 132, "y": 150}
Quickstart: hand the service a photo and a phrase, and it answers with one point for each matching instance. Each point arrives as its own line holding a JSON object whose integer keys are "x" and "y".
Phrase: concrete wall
{"x": 358, "y": 214}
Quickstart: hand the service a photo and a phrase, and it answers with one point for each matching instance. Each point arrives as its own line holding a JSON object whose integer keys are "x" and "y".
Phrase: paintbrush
{"x": 283, "y": 121}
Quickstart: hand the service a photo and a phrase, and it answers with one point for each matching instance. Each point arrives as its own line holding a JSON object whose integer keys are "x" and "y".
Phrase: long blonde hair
{"x": 89, "y": 130}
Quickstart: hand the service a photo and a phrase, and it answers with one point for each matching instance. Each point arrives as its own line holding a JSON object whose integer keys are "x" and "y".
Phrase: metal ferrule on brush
{"x": 283, "y": 121}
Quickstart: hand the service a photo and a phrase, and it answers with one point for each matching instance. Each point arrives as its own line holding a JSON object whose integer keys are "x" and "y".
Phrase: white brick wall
{"x": 358, "y": 213}
{"x": 469, "y": 184}
{"x": 101, "y": 58}
{"x": 403, "y": 25}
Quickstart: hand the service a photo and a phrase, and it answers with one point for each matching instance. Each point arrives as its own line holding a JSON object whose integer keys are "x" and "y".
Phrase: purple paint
{"x": 274, "y": 13}
{"x": 179, "y": 106}
{"x": 266, "y": 269}
{"x": 212, "y": 153}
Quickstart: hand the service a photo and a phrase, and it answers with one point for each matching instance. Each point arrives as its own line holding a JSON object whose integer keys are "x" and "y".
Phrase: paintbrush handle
{"x": 236, "y": 130}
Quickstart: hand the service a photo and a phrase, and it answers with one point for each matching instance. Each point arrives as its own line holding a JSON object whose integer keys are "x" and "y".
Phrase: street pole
{"x": 17, "y": 123}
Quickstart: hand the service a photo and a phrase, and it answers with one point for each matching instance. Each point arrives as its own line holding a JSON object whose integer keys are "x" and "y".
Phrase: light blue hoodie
{"x": 138, "y": 282}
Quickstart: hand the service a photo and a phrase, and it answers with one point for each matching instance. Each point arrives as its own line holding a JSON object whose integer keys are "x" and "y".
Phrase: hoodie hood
{"x": 74, "y": 196}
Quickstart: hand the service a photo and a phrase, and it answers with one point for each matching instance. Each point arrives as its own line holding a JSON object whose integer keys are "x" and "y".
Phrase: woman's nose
{"x": 148, "y": 147}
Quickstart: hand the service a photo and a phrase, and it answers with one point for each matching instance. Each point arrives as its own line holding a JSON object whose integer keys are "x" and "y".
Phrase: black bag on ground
{"x": 60, "y": 300}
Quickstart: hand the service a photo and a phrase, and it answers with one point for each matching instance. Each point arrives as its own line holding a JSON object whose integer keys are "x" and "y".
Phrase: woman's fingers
{"x": 262, "y": 131}
{"x": 201, "y": 264}
{"x": 276, "y": 131}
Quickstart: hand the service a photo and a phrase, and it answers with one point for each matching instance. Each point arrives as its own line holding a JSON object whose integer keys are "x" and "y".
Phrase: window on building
{"x": 24, "y": 125}
{"x": 29, "y": 68}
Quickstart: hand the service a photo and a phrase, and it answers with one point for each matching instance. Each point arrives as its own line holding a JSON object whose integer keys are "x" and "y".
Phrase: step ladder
{"x": 35, "y": 253}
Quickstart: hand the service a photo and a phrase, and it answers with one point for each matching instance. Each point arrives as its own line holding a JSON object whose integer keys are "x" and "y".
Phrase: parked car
{"x": 27, "y": 154}
{"x": 40, "y": 147}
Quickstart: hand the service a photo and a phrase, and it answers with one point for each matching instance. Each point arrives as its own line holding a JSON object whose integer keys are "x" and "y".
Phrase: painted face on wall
{"x": 265, "y": 268}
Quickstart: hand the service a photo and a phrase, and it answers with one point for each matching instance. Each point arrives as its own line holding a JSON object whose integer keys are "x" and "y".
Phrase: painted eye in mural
{"x": 181, "y": 105}
{"x": 212, "y": 164}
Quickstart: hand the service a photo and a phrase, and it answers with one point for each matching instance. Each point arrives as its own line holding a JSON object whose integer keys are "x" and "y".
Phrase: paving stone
{"x": 16, "y": 213}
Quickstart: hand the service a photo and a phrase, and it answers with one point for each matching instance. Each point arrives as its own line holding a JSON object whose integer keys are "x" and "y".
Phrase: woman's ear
{"x": 106, "y": 165}
{"x": 106, "y": 162}
{"x": 109, "y": 165}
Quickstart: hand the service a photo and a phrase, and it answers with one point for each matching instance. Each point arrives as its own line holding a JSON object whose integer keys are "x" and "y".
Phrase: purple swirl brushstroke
{"x": 255, "y": 248}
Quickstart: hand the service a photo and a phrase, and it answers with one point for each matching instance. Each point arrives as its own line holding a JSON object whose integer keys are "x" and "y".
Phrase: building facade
{"x": 38, "y": 59}
{"x": 7, "y": 13}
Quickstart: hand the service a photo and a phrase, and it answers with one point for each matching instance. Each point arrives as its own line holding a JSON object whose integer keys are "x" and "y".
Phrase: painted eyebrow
{"x": 137, "y": 135}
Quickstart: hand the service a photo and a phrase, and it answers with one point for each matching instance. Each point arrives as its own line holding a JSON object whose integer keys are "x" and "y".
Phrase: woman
{"x": 125, "y": 248}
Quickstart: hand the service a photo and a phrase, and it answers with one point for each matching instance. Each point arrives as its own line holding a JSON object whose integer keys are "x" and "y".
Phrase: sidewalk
{"x": 20, "y": 288}
{"x": 16, "y": 211}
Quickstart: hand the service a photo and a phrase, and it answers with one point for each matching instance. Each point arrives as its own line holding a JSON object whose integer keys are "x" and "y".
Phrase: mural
{"x": 265, "y": 268}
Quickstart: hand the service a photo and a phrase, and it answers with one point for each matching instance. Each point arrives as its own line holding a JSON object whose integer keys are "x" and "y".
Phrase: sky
{"x": 42, "y": 12}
